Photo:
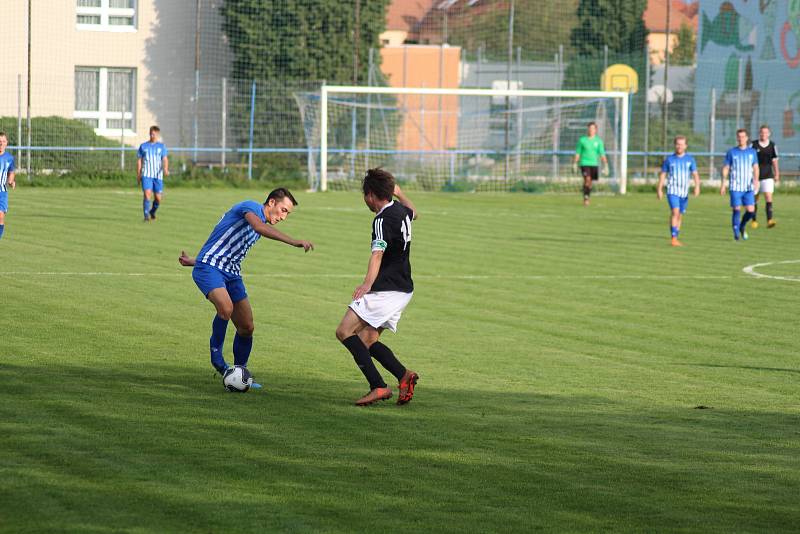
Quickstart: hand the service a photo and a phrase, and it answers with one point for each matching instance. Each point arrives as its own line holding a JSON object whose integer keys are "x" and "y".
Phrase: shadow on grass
{"x": 163, "y": 449}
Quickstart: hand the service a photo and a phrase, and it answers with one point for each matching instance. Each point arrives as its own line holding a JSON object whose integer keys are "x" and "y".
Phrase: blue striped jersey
{"x": 740, "y": 161}
{"x": 6, "y": 167}
{"x": 152, "y": 155}
{"x": 231, "y": 238}
{"x": 679, "y": 171}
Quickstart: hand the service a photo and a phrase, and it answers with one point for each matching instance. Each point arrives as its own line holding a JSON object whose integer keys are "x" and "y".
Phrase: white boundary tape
{"x": 751, "y": 270}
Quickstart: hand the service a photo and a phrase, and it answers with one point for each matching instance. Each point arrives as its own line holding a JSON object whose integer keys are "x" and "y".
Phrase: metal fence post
{"x": 739, "y": 96}
{"x": 122, "y": 137}
{"x": 252, "y": 125}
{"x": 646, "y": 108}
{"x": 712, "y": 133}
{"x": 19, "y": 118}
{"x": 224, "y": 121}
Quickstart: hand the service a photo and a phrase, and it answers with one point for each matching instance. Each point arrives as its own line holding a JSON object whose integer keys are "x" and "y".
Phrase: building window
{"x": 106, "y": 15}
{"x": 105, "y": 99}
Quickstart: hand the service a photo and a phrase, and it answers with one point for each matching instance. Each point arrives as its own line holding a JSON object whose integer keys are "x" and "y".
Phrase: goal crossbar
{"x": 545, "y": 93}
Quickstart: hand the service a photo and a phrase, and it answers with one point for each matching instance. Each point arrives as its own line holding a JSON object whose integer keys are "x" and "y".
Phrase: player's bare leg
{"x": 587, "y": 187}
{"x": 221, "y": 300}
{"x": 349, "y": 333}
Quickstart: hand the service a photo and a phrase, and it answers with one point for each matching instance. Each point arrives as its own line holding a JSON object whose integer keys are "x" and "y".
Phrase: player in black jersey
{"x": 769, "y": 175}
{"x": 387, "y": 289}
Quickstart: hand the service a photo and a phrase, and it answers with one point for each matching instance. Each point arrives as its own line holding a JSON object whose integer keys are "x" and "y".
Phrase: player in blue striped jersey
{"x": 678, "y": 170}
{"x": 151, "y": 168}
{"x": 217, "y": 268}
{"x": 6, "y": 179}
{"x": 741, "y": 170}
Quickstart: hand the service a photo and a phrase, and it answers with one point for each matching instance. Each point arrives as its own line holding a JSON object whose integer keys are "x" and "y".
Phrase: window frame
{"x": 105, "y": 12}
{"x": 102, "y": 115}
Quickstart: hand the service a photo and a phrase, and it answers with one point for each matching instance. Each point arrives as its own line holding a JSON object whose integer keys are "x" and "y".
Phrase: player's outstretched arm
{"x": 372, "y": 273}
{"x": 186, "y": 260}
{"x": 271, "y": 233}
{"x": 405, "y": 201}
{"x": 725, "y": 171}
{"x": 756, "y": 175}
{"x": 662, "y": 176}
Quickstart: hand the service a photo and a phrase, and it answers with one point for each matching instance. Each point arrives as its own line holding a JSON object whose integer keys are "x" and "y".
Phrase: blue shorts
{"x": 4, "y": 201}
{"x": 156, "y": 185}
{"x": 742, "y": 198}
{"x": 678, "y": 202}
{"x": 207, "y": 278}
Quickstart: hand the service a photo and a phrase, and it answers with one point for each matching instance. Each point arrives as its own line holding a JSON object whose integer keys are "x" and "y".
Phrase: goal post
{"x": 502, "y": 136}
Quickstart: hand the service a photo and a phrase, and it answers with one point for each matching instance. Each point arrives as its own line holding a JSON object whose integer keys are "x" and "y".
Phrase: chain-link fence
{"x": 82, "y": 80}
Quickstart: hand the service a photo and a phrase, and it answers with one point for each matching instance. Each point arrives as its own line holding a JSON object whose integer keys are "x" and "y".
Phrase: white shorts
{"x": 766, "y": 186}
{"x": 382, "y": 309}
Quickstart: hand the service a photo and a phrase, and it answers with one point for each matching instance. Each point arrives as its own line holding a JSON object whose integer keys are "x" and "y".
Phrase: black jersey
{"x": 391, "y": 233}
{"x": 766, "y": 154}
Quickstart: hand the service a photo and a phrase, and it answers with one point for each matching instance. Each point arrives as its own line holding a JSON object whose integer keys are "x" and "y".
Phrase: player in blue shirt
{"x": 217, "y": 268}
{"x": 151, "y": 168}
{"x": 741, "y": 166}
{"x": 6, "y": 179}
{"x": 677, "y": 171}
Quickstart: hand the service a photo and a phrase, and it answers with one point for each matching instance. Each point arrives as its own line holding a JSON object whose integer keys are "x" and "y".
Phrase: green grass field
{"x": 563, "y": 353}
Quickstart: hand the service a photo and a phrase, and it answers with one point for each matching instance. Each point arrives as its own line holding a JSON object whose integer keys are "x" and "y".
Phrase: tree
{"x": 683, "y": 52}
{"x": 286, "y": 46}
{"x": 539, "y": 28}
{"x": 302, "y": 39}
{"x": 617, "y": 24}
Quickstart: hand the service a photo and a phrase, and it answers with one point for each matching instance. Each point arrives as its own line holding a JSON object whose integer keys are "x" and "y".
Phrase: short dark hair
{"x": 3, "y": 134}
{"x": 764, "y": 127}
{"x": 155, "y": 128}
{"x": 279, "y": 194}
{"x": 591, "y": 124}
{"x": 742, "y": 130}
{"x": 378, "y": 182}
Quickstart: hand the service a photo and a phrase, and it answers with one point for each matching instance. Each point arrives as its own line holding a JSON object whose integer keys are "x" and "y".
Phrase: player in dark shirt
{"x": 769, "y": 173}
{"x": 380, "y": 300}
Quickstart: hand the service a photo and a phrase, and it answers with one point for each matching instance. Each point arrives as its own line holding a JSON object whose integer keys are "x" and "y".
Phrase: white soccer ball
{"x": 237, "y": 379}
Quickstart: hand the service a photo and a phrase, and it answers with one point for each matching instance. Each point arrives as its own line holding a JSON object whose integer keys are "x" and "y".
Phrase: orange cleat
{"x": 407, "y": 384}
{"x": 676, "y": 243}
{"x": 375, "y": 395}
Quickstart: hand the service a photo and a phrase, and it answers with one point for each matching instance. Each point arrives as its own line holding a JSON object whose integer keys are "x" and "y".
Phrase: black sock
{"x": 769, "y": 211}
{"x": 755, "y": 210}
{"x": 388, "y": 360}
{"x": 746, "y": 217}
{"x": 587, "y": 191}
{"x": 364, "y": 361}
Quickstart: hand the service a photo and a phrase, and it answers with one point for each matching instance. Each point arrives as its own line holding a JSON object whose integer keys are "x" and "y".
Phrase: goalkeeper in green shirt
{"x": 588, "y": 153}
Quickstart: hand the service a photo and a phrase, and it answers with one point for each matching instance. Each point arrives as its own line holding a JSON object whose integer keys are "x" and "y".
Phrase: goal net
{"x": 502, "y": 139}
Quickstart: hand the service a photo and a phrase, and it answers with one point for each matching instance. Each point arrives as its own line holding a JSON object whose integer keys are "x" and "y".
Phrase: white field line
{"x": 751, "y": 270}
{"x": 418, "y": 276}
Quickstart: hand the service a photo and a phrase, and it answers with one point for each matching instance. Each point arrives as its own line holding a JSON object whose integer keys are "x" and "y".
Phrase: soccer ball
{"x": 237, "y": 379}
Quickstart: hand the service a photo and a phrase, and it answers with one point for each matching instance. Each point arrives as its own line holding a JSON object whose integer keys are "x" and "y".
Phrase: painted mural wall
{"x": 749, "y": 51}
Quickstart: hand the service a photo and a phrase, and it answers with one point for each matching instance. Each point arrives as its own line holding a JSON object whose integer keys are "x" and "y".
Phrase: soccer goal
{"x": 502, "y": 139}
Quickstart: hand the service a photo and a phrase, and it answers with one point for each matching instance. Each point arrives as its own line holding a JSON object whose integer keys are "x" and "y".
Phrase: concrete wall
{"x": 161, "y": 49}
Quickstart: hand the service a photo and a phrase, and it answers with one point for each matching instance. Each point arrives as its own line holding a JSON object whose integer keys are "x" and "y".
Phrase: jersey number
{"x": 405, "y": 228}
